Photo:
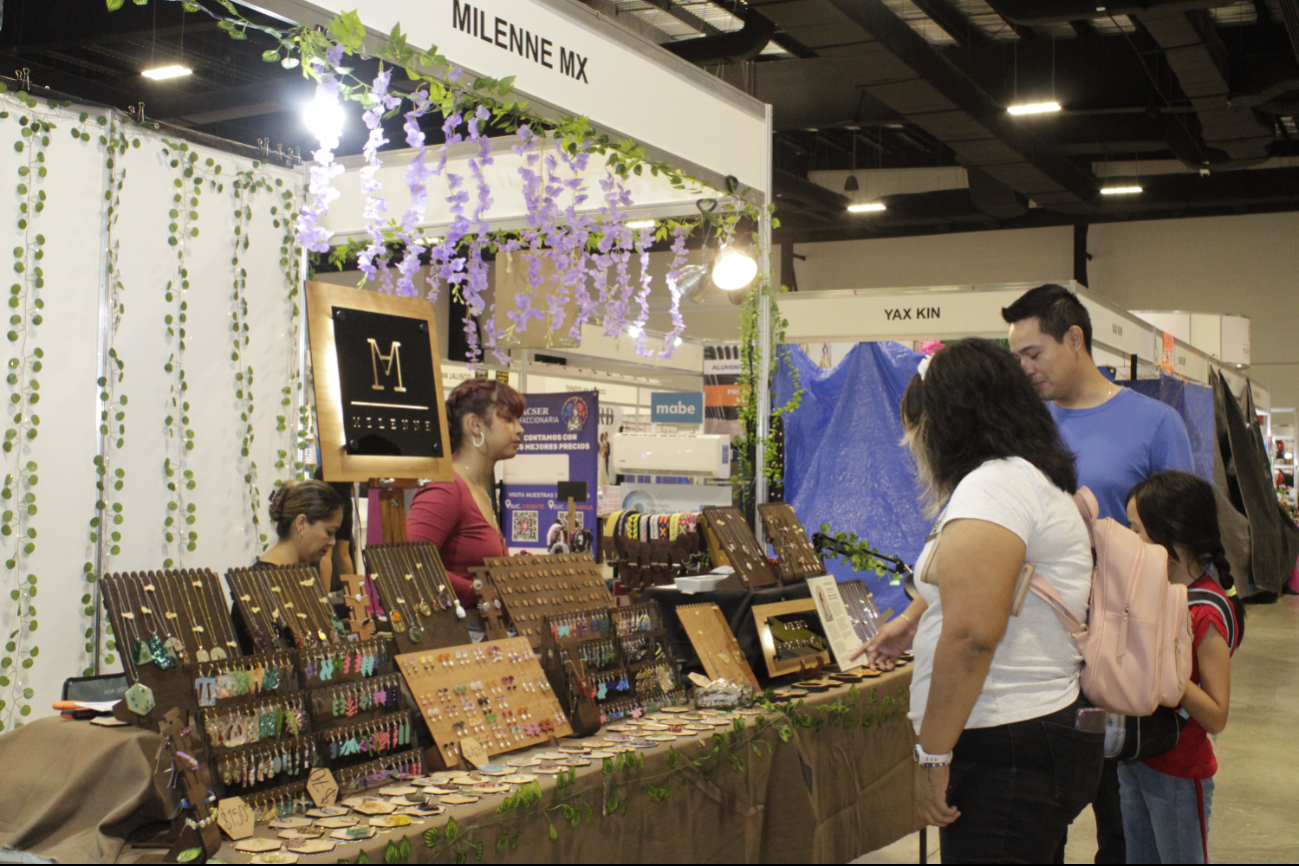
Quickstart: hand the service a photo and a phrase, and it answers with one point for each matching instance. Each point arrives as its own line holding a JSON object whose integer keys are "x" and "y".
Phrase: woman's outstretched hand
{"x": 883, "y": 650}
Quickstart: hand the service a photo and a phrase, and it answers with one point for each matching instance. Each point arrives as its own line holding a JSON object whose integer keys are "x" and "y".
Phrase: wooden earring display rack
{"x": 531, "y": 588}
{"x": 284, "y": 606}
{"x": 740, "y": 549}
{"x": 796, "y": 558}
{"x": 494, "y": 692}
{"x": 610, "y": 661}
{"x": 715, "y": 644}
{"x": 422, "y": 606}
{"x": 792, "y": 641}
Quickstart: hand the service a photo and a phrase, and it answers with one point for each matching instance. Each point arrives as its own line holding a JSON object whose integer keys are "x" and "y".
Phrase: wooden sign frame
{"x": 762, "y": 616}
{"x": 337, "y": 464}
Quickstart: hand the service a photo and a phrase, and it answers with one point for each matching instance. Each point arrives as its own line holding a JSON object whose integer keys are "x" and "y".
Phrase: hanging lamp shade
{"x": 850, "y": 185}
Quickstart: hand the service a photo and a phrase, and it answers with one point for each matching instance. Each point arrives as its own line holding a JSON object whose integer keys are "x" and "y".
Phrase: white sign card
{"x": 835, "y": 621}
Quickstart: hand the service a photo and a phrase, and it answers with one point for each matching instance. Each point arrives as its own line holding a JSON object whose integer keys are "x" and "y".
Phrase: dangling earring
{"x": 479, "y": 439}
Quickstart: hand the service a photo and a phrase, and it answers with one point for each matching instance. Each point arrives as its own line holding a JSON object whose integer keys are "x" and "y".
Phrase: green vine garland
{"x": 112, "y": 404}
{"x": 184, "y": 213}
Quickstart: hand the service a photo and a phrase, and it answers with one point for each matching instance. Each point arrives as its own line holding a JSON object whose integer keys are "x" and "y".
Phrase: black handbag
{"x": 1147, "y": 736}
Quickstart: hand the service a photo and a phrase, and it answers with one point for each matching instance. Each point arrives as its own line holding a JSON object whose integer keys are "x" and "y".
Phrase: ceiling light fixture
{"x": 734, "y": 269}
{"x": 642, "y": 224}
{"x": 1121, "y": 190}
{"x": 690, "y": 283}
{"x": 870, "y": 207}
{"x": 1034, "y": 108}
{"x": 324, "y": 117}
{"x": 162, "y": 73}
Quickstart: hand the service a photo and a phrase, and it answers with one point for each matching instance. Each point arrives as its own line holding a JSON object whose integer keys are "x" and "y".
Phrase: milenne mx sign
{"x": 503, "y": 34}
{"x": 566, "y": 55}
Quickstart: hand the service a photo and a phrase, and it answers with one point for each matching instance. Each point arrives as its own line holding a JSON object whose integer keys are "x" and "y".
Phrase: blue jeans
{"x": 1162, "y": 819}
{"x": 1018, "y": 786}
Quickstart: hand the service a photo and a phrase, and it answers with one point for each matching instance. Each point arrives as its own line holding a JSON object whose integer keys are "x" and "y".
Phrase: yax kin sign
{"x": 675, "y": 407}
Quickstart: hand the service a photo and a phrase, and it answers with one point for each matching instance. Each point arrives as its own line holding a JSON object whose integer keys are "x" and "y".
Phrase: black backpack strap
{"x": 1207, "y": 596}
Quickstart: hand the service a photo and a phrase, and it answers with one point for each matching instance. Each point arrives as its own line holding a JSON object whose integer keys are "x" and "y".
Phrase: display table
{"x": 74, "y": 792}
{"x": 736, "y": 608}
{"x": 824, "y": 781}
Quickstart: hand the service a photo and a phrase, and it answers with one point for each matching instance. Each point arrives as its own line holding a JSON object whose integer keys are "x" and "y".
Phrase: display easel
{"x": 738, "y": 546}
{"x": 422, "y": 607}
{"x": 714, "y": 643}
{"x": 796, "y": 558}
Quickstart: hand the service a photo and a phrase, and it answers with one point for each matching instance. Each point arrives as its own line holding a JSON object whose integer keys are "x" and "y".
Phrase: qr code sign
{"x": 524, "y": 526}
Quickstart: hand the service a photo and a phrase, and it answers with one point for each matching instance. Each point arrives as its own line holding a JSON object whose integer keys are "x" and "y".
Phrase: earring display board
{"x": 378, "y": 381}
{"x": 531, "y": 588}
{"x": 165, "y": 622}
{"x": 494, "y": 691}
{"x": 284, "y": 606}
{"x": 737, "y": 541}
{"x": 865, "y": 616}
{"x": 792, "y": 637}
{"x": 354, "y": 702}
{"x": 796, "y": 558}
{"x": 422, "y": 606}
{"x": 605, "y": 663}
{"x": 715, "y": 643}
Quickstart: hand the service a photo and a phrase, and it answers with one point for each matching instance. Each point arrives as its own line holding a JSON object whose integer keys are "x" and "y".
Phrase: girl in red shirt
{"x": 1167, "y": 799}
{"x": 459, "y": 516}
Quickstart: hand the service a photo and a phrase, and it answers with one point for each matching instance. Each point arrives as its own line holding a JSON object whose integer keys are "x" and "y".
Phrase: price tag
{"x": 322, "y": 788}
{"x": 235, "y": 818}
{"x": 474, "y": 752}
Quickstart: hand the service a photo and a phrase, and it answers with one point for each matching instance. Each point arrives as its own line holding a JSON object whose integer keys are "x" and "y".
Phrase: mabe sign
{"x": 677, "y": 408}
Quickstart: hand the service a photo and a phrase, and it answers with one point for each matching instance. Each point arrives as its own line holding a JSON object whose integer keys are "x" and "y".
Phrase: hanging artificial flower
{"x": 311, "y": 234}
{"x": 680, "y": 255}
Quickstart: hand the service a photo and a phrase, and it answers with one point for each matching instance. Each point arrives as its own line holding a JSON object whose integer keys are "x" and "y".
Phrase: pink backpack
{"x": 1136, "y": 644}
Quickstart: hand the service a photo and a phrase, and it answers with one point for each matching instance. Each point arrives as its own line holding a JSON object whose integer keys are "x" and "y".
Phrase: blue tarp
{"x": 1195, "y": 404}
{"x": 844, "y": 464}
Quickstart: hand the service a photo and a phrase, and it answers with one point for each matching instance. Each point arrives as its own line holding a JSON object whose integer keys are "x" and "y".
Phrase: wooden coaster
{"x": 397, "y": 791}
{"x": 328, "y": 812}
{"x": 662, "y": 738}
{"x": 376, "y": 807}
{"x": 549, "y": 769}
{"x": 290, "y": 823}
{"x": 275, "y": 857}
{"x": 258, "y": 845}
{"x": 311, "y": 846}
{"x": 599, "y": 755}
{"x": 522, "y": 762}
{"x": 352, "y": 834}
{"x": 338, "y": 822}
{"x": 490, "y": 789}
{"x": 517, "y": 779}
{"x": 387, "y": 822}
{"x": 458, "y": 800}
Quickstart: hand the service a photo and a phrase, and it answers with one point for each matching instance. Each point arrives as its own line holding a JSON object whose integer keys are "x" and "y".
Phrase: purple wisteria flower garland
{"x": 560, "y": 225}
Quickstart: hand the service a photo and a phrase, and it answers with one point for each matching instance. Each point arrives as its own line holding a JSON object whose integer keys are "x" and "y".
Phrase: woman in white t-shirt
{"x": 1005, "y": 759}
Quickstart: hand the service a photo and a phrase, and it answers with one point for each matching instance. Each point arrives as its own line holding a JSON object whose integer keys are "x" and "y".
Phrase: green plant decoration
{"x": 862, "y": 556}
{"x": 17, "y": 535}
{"x": 110, "y": 480}
{"x": 181, "y": 514}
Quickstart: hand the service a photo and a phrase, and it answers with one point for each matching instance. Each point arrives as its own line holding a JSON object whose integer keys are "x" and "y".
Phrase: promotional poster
{"x": 560, "y": 443}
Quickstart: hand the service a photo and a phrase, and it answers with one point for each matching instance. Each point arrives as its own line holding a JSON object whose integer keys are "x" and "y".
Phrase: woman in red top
{"x": 459, "y": 516}
{"x": 1167, "y": 799}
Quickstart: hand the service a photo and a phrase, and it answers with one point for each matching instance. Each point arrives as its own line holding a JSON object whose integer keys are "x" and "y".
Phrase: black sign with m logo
{"x": 385, "y": 373}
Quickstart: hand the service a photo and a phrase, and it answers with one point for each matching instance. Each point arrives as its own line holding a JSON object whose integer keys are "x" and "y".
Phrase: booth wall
{"x": 47, "y": 627}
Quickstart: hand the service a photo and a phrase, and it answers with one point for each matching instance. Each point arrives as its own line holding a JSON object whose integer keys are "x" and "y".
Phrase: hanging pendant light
{"x": 734, "y": 269}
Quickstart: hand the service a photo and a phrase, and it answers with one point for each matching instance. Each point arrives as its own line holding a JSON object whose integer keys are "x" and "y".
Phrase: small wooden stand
{"x": 183, "y": 739}
{"x": 361, "y": 622}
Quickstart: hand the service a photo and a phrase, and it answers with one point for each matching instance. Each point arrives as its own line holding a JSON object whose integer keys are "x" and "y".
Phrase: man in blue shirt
{"x": 1119, "y": 437}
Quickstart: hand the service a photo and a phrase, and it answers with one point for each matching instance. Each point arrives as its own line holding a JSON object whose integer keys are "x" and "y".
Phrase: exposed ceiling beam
{"x": 101, "y": 37}
{"x": 954, "y": 24}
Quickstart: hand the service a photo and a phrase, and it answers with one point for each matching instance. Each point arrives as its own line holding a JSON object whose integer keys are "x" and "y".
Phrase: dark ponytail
{"x": 1179, "y": 509}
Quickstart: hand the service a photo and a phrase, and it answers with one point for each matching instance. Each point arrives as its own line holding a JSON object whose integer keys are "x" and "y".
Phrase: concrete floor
{"x": 1256, "y": 800}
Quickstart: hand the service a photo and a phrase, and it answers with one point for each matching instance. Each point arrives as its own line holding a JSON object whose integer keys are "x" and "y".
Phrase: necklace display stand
{"x": 796, "y": 558}
{"x": 421, "y": 603}
{"x": 285, "y": 606}
{"x": 739, "y": 548}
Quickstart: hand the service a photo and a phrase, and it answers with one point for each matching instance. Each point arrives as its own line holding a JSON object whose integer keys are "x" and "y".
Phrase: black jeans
{"x": 1018, "y": 786}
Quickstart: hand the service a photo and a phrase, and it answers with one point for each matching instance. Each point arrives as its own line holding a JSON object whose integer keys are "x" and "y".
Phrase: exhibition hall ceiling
{"x": 899, "y": 103}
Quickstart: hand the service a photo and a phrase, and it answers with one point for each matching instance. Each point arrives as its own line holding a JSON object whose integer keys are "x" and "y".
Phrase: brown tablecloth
{"x": 73, "y": 792}
{"x": 824, "y": 782}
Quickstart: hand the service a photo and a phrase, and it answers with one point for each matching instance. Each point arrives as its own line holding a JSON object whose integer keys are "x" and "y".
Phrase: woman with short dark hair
{"x": 1006, "y": 757}
{"x": 459, "y": 517}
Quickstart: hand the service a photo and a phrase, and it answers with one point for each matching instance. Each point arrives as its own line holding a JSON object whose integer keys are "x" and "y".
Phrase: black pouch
{"x": 1148, "y": 736}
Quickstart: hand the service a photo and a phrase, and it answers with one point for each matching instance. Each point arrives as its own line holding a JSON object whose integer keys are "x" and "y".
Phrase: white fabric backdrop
{"x": 76, "y": 235}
